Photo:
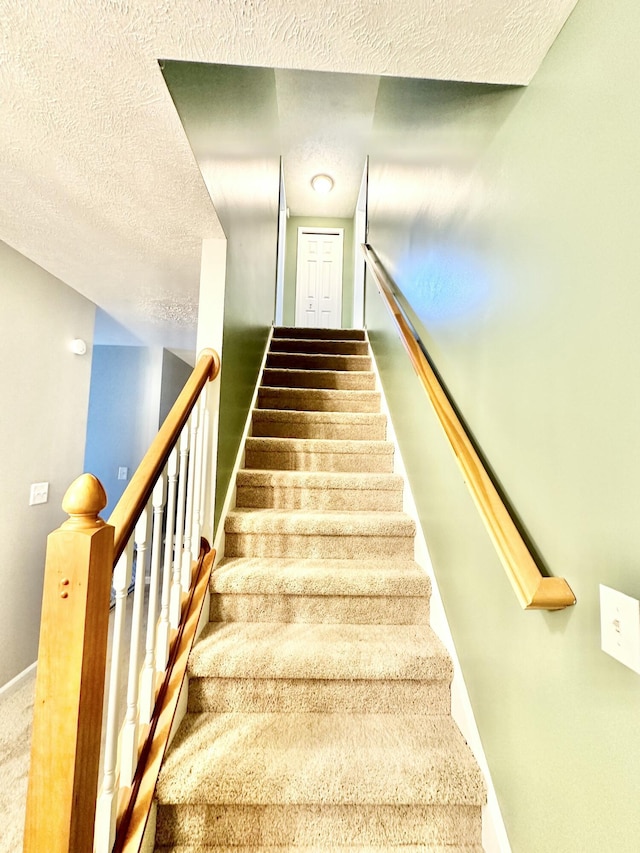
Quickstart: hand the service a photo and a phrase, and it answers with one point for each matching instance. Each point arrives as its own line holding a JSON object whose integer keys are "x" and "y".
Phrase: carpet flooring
{"x": 319, "y": 697}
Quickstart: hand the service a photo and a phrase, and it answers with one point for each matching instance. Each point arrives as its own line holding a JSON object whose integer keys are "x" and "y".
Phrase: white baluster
{"x": 188, "y": 519}
{"x": 164, "y": 627}
{"x": 148, "y": 681}
{"x": 106, "y": 807}
{"x": 129, "y": 747}
{"x": 205, "y": 463}
{"x": 175, "y": 605}
{"x": 198, "y": 478}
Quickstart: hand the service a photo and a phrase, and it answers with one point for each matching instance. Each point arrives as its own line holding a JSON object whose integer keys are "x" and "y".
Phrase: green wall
{"x": 516, "y": 245}
{"x": 220, "y": 107}
{"x": 291, "y": 254}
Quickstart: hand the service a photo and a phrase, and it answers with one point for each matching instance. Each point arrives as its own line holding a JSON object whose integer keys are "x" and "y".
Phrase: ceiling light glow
{"x": 322, "y": 184}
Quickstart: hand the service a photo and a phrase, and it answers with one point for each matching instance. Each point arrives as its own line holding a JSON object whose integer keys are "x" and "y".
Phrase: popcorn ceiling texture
{"x": 98, "y": 183}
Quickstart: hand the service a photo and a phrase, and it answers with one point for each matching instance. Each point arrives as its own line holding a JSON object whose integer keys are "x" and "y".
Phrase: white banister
{"x": 164, "y": 626}
{"x": 148, "y": 683}
{"x": 188, "y": 519}
{"x": 175, "y": 606}
{"x": 94, "y": 791}
{"x": 106, "y": 808}
{"x": 129, "y": 748}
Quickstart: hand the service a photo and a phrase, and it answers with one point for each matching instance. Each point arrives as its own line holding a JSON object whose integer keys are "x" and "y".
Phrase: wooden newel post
{"x": 65, "y": 747}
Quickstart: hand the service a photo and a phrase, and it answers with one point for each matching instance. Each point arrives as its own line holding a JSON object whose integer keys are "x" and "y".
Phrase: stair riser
{"x": 293, "y": 429}
{"x": 286, "y": 695}
{"x": 318, "y": 400}
{"x": 332, "y": 380}
{"x": 319, "y": 499}
{"x": 330, "y": 462}
{"x": 311, "y": 609}
{"x": 318, "y": 547}
{"x": 316, "y": 361}
{"x": 232, "y": 825}
{"x": 289, "y": 345}
{"x": 293, "y": 332}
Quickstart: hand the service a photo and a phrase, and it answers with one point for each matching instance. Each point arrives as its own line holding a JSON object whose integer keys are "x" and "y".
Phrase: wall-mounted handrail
{"x": 533, "y": 590}
{"x": 151, "y": 558}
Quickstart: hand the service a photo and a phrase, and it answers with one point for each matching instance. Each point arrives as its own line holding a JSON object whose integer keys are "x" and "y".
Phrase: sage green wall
{"x": 45, "y": 395}
{"x": 295, "y": 222}
{"x": 220, "y": 107}
{"x": 518, "y": 249}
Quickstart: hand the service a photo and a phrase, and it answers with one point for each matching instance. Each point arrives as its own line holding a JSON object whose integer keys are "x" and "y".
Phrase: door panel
{"x": 319, "y": 278}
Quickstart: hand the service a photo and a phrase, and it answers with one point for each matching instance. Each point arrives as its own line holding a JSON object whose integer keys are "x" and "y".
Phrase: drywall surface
{"x": 219, "y": 107}
{"x": 45, "y": 392}
{"x": 175, "y": 373}
{"x": 291, "y": 257}
{"x": 518, "y": 251}
{"x": 124, "y": 406}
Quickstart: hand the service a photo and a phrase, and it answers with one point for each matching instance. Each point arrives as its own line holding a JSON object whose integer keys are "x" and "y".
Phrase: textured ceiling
{"x": 98, "y": 183}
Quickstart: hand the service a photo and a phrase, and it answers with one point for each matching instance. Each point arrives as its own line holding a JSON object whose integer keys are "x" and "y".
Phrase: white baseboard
{"x": 16, "y": 682}
{"x": 494, "y": 834}
{"x": 230, "y": 499}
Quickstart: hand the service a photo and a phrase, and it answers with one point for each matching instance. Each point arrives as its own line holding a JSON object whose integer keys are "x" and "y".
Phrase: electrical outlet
{"x": 123, "y": 472}
{"x": 620, "y": 626}
{"x": 39, "y": 493}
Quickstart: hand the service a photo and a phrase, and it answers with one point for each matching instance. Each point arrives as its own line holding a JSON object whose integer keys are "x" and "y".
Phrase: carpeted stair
{"x": 319, "y": 697}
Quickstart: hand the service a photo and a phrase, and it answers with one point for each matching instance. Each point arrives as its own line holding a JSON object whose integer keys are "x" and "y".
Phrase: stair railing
{"x": 89, "y": 786}
{"x": 533, "y": 590}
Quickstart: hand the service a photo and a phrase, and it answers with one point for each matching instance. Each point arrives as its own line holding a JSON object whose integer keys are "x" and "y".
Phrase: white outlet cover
{"x": 38, "y": 494}
{"x": 620, "y": 626}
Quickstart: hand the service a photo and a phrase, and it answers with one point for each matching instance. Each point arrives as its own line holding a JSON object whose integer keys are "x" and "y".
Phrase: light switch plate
{"x": 620, "y": 626}
{"x": 38, "y": 494}
{"x": 123, "y": 472}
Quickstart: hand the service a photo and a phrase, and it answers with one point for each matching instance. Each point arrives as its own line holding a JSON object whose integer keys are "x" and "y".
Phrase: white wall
{"x": 44, "y": 389}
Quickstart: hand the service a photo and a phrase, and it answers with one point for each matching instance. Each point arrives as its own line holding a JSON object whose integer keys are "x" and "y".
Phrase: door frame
{"x": 311, "y": 229}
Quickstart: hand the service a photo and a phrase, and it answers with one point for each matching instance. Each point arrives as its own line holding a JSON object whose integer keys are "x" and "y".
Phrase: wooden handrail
{"x": 533, "y": 590}
{"x": 137, "y": 493}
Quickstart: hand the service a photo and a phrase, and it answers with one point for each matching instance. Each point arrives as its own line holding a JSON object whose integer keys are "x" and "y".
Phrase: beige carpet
{"x": 16, "y": 716}
{"x": 319, "y": 696}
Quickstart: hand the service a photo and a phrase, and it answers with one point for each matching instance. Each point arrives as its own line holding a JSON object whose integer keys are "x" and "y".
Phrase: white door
{"x": 319, "y": 278}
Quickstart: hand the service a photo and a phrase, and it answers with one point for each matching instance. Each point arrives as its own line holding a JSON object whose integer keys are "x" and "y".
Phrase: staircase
{"x": 318, "y": 712}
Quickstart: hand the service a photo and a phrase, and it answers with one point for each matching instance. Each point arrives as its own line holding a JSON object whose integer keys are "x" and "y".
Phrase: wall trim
{"x": 15, "y": 682}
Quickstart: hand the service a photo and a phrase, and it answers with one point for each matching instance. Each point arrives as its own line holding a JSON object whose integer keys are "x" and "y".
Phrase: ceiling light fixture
{"x": 322, "y": 184}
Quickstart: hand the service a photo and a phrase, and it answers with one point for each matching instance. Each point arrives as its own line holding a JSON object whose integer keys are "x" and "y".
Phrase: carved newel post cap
{"x": 84, "y": 501}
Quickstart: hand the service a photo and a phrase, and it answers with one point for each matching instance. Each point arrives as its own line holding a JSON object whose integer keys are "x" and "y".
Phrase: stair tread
{"x": 318, "y": 399}
{"x": 351, "y": 446}
{"x": 260, "y": 575}
{"x": 298, "y": 758}
{"x": 341, "y": 848}
{"x": 319, "y": 522}
{"x": 266, "y": 477}
{"x": 319, "y": 417}
{"x": 318, "y": 346}
{"x": 319, "y": 651}
{"x": 318, "y": 360}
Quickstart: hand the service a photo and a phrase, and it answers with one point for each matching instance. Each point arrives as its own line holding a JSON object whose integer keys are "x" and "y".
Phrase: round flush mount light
{"x": 322, "y": 184}
{"x": 78, "y": 346}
